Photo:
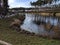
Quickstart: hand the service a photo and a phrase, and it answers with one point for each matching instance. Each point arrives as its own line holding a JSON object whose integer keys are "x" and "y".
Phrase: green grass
{"x": 12, "y": 36}
{"x": 1, "y": 44}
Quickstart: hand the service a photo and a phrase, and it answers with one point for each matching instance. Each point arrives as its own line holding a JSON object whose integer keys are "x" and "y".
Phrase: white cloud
{"x": 21, "y": 3}
{"x": 11, "y": 3}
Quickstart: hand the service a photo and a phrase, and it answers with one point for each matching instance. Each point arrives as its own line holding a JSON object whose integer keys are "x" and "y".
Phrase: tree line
{"x": 42, "y": 2}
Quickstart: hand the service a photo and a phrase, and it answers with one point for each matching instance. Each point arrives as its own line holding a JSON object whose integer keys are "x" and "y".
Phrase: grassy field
{"x": 1, "y": 44}
{"x": 16, "y": 38}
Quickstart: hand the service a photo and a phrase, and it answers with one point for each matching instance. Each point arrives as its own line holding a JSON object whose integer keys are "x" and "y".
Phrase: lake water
{"x": 30, "y": 26}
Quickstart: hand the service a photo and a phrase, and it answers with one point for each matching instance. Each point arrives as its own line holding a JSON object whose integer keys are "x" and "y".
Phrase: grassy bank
{"x": 16, "y": 38}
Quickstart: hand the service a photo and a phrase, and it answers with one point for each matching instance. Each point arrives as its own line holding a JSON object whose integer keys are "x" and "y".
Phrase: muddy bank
{"x": 17, "y": 22}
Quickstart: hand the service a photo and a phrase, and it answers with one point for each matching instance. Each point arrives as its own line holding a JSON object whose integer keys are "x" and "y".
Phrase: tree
{"x": 33, "y": 4}
{"x": 41, "y": 2}
{"x": 48, "y": 1}
{"x": 37, "y": 3}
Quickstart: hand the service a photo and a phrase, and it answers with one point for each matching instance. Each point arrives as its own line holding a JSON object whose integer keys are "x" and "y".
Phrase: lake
{"x": 30, "y": 26}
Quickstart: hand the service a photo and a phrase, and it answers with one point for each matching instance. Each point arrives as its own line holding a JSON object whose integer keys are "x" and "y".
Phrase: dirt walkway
{"x": 4, "y": 43}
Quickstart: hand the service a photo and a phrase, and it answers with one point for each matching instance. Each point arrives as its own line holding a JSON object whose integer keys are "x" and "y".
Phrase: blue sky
{"x": 19, "y": 3}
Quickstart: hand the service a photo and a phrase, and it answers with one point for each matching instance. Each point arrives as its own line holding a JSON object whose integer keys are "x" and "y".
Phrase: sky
{"x": 19, "y": 3}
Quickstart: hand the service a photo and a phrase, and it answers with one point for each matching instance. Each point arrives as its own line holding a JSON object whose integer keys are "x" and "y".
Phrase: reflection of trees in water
{"x": 43, "y": 27}
{"x": 53, "y": 21}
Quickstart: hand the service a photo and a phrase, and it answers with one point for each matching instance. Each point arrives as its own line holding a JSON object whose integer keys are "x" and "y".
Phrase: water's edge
{"x": 30, "y": 26}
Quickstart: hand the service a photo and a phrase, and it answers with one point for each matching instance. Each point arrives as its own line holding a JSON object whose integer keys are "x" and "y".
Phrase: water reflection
{"x": 29, "y": 24}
